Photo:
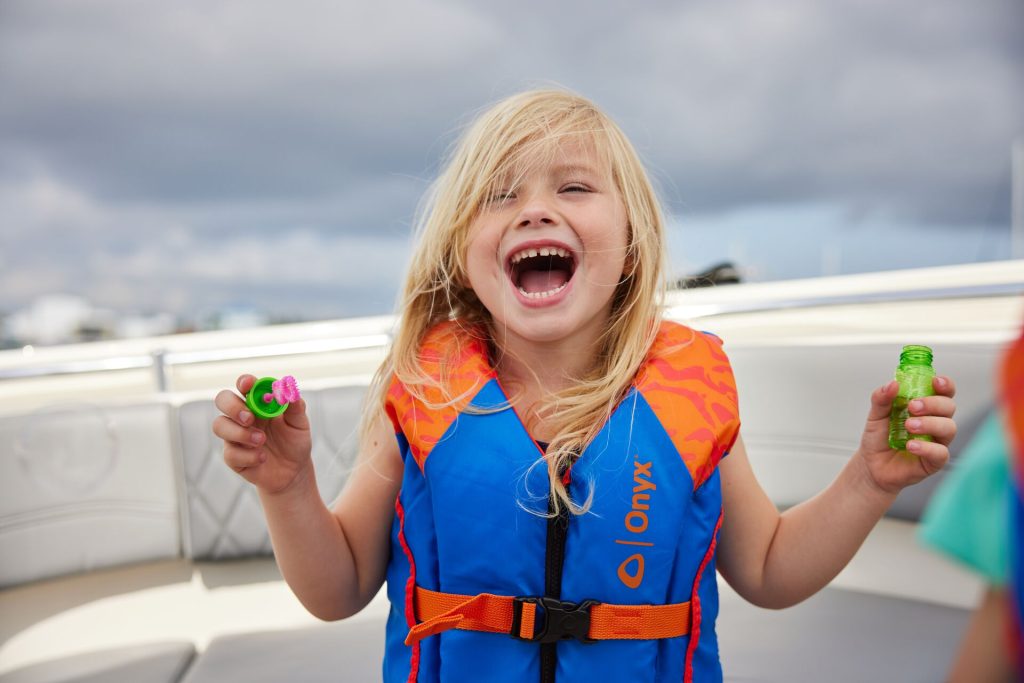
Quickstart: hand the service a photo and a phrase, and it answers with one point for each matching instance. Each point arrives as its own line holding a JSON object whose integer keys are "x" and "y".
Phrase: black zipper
{"x": 554, "y": 560}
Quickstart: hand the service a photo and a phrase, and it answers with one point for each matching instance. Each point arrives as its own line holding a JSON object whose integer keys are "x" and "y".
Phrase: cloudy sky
{"x": 186, "y": 156}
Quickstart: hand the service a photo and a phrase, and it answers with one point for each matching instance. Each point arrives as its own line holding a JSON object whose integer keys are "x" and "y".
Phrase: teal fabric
{"x": 968, "y": 516}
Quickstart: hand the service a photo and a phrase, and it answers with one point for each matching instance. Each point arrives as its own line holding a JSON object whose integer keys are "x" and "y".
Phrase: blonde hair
{"x": 496, "y": 146}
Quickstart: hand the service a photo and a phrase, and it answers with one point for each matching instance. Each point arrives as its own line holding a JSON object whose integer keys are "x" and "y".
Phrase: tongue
{"x": 534, "y": 281}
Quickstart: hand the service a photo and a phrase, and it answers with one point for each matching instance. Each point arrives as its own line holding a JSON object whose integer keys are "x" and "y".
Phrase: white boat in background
{"x": 128, "y": 551}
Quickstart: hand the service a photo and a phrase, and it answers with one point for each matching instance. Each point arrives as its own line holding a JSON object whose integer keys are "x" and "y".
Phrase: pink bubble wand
{"x": 269, "y": 397}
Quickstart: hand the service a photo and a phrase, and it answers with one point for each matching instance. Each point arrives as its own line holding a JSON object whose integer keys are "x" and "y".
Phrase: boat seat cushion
{"x": 840, "y": 636}
{"x": 350, "y": 650}
{"x": 223, "y": 519}
{"x": 86, "y": 486}
{"x": 153, "y": 663}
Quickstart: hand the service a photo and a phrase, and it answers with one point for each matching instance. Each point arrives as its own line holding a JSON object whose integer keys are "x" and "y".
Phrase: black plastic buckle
{"x": 555, "y": 620}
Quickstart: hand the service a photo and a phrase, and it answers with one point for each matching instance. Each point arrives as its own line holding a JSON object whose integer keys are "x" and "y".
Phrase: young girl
{"x": 552, "y": 506}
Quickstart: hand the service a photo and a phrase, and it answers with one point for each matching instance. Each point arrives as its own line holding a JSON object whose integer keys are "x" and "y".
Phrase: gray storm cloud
{"x": 147, "y": 147}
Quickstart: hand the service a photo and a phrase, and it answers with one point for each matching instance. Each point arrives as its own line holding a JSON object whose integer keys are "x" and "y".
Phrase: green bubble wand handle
{"x": 269, "y": 397}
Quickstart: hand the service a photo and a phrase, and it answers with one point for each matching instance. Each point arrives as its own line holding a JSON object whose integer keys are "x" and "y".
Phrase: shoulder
{"x": 677, "y": 347}
{"x": 451, "y": 367}
{"x": 452, "y": 341}
{"x": 688, "y": 384}
{"x": 449, "y": 354}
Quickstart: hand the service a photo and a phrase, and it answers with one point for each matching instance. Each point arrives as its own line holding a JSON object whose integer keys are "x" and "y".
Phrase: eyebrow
{"x": 557, "y": 170}
{"x": 575, "y": 168}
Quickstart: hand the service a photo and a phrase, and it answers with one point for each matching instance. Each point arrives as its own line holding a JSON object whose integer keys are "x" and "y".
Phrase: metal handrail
{"x": 79, "y": 367}
{"x": 161, "y": 359}
{"x": 700, "y": 310}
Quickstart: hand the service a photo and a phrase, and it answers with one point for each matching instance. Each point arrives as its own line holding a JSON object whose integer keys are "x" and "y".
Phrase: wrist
{"x": 300, "y": 487}
{"x": 867, "y": 487}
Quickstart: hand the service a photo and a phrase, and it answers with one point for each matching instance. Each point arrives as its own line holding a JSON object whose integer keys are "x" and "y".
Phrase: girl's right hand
{"x": 270, "y": 454}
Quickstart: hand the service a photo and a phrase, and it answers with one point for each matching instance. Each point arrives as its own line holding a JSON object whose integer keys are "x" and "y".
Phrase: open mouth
{"x": 541, "y": 272}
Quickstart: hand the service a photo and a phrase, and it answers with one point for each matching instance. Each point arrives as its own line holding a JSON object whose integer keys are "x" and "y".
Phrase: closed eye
{"x": 576, "y": 187}
{"x": 501, "y": 196}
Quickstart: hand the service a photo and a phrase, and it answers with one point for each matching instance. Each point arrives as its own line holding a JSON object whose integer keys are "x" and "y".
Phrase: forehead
{"x": 577, "y": 153}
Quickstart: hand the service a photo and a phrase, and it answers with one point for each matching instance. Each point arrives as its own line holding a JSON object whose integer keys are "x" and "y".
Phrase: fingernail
{"x": 914, "y": 445}
{"x": 916, "y": 406}
{"x": 244, "y": 417}
{"x": 913, "y": 424}
{"x": 941, "y": 382}
{"x": 263, "y": 457}
{"x": 257, "y": 437}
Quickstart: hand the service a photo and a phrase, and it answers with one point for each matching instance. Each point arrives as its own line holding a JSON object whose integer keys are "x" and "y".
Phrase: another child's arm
{"x": 984, "y": 656}
{"x": 334, "y": 560}
{"x": 776, "y": 560}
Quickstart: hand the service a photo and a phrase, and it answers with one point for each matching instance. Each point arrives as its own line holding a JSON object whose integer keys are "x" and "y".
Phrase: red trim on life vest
{"x": 695, "y": 609}
{"x": 410, "y": 589}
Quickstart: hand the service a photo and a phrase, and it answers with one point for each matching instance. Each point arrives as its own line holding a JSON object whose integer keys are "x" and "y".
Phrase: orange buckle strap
{"x": 545, "y": 620}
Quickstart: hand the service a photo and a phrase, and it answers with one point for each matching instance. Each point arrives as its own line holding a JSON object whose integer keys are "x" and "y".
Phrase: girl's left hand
{"x": 893, "y": 470}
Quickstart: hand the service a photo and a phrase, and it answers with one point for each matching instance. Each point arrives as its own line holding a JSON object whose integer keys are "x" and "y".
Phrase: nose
{"x": 536, "y": 211}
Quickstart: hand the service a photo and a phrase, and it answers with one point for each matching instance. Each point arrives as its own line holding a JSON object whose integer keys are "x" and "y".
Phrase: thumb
{"x": 881, "y": 401}
{"x": 296, "y": 416}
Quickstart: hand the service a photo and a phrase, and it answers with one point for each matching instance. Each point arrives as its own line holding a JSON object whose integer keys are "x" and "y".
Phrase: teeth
{"x": 543, "y": 251}
{"x": 542, "y": 295}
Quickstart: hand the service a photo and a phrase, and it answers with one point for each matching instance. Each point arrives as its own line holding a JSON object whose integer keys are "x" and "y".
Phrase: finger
{"x": 943, "y": 429}
{"x": 942, "y": 406}
{"x": 240, "y": 459}
{"x": 229, "y": 403}
{"x": 244, "y": 383}
{"x": 944, "y": 386}
{"x": 236, "y": 434}
{"x": 932, "y": 455}
{"x": 881, "y": 401}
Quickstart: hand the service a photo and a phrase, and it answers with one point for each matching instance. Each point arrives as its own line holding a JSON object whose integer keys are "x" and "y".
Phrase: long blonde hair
{"x": 436, "y": 290}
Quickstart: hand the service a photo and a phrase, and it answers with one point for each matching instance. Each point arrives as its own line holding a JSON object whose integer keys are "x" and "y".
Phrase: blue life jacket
{"x": 471, "y": 519}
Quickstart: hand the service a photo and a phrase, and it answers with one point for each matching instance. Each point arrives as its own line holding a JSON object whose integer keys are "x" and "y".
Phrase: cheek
{"x": 615, "y": 246}
{"x": 482, "y": 260}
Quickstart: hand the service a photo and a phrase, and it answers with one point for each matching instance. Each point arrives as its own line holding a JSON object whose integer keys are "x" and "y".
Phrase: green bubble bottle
{"x": 915, "y": 374}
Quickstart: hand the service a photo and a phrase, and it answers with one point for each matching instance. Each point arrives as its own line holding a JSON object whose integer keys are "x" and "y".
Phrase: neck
{"x": 533, "y": 371}
{"x": 546, "y": 367}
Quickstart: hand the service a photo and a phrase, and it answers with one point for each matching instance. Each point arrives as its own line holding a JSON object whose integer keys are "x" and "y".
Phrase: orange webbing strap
{"x": 485, "y": 612}
{"x": 439, "y": 612}
{"x": 639, "y": 622}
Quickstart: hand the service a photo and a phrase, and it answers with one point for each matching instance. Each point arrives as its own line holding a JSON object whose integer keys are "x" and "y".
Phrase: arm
{"x": 775, "y": 560}
{"x": 334, "y": 560}
{"x": 983, "y": 655}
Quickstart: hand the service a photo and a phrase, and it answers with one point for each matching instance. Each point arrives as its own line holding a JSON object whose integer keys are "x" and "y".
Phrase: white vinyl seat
{"x": 152, "y": 663}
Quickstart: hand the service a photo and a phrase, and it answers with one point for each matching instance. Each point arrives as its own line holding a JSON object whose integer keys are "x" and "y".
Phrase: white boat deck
{"x": 177, "y": 600}
{"x": 145, "y": 538}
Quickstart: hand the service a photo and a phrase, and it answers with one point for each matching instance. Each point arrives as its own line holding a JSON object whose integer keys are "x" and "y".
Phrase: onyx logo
{"x": 631, "y": 569}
